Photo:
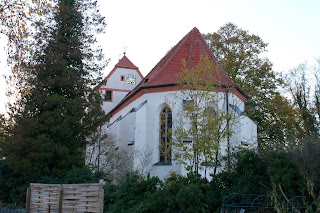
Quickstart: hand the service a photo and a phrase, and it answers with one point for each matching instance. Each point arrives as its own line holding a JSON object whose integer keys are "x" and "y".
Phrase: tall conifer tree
{"x": 61, "y": 109}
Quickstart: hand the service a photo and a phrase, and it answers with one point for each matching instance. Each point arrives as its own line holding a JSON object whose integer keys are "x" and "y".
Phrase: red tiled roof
{"x": 126, "y": 63}
{"x": 191, "y": 48}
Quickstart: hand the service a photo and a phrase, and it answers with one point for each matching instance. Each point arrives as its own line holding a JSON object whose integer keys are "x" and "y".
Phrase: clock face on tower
{"x": 130, "y": 79}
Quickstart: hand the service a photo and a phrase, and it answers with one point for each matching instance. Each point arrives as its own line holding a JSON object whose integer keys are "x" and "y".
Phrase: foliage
{"x": 306, "y": 157}
{"x": 248, "y": 175}
{"x": 175, "y": 194}
{"x": 305, "y": 101}
{"x": 239, "y": 52}
{"x": 284, "y": 130}
{"x": 103, "y": 157}
{"x": 13, "y": 187}
{"x": 80, "y": 175}
{"x": 74, "y": 176}
{"x": 202, "y": 119}
{"x": 3, "y": 131}
{"x": 16, "y": 19}
{"x": 52, "y": 121}
{"x": 284, "y": 174}
{"x": 317, "y": 90}
{"x": 272, "y": 173}
{"x": 127, "y": 196}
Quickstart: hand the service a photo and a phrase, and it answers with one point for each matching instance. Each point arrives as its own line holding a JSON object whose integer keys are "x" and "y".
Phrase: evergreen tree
{"x": 2, "y": 130}
{"x": 52, "y": 120}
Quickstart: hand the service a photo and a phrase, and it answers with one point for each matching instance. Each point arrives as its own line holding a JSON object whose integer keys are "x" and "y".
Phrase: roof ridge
{"x": 214, "y": 58}
{"x": 174, "y": 50}
{"x": 190, "y": 55}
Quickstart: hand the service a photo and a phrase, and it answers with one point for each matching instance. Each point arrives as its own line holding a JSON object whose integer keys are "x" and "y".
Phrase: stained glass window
{"x": 165, "y": 134}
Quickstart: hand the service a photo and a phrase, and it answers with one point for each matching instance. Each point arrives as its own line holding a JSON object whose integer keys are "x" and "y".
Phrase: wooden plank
{"x": 101, "y": 199}
{"x": 28, "y": 199}
{"x": 60, "y": 201}
{"x": 73, "y": 198}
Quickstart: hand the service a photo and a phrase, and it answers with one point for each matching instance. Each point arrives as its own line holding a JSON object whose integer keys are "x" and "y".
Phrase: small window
{"x": 244, "y": 143}
{"x": 130, "y": 143}
{"x": 187, "y": 103}
{"x": 187, "y": 140}
{"x": 236, "y": 109}
{"x": 122, "y": 78}
{"x": 208, "y": 164}
{"x": 108, "y": 95}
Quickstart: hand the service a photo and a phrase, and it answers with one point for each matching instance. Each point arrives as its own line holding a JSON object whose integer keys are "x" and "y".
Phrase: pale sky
{"x": 148, "y": 29}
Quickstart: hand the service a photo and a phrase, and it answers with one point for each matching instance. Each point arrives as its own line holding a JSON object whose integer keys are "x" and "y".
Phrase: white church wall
{"x": 143, "y": 126}
{"x": 156, "y": 102}
{"x": 142, "y": 150}
{"x": 235, "y": 100}
{"x": 114, "y": 81}
{"x": 119, "y": 87}
{"x": 248, "y": 132}
{"x": 117, "y": 96}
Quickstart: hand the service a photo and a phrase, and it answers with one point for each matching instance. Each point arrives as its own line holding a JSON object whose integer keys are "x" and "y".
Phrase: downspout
{"x": 99, "y": 149}
{"x": 228, "y": 130}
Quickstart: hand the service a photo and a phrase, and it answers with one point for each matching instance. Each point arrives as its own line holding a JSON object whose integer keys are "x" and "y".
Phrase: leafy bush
{"x": 248, "y": 175}
{"x": 80, "y": 175}
{"x": 283, "y": 173}
{"x": 129, "y": 194}
{"x": 13, "y": 187}
{"x": 175, "y": 194}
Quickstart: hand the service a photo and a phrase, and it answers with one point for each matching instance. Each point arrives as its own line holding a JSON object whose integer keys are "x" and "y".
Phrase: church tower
{"x": 123, "y": 78}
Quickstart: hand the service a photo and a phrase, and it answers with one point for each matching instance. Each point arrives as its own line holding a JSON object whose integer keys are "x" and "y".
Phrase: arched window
{"x": 209, "y": 123}
{"x": 165, "y": 134}
{"x": 209, "y": 113}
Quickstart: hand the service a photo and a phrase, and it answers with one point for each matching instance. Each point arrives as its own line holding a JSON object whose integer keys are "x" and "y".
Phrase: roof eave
{"x": 168, "y": 85}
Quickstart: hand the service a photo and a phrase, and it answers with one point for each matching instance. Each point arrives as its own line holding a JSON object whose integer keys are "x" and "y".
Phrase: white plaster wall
{"x": 234, "y": 100}
{"x": 117, "y": 96}
{"x": 156, "y": 102}
{"x": 248, "y": 131}
{"x": 115, "y": 83}
{"x": 145, "y": 124}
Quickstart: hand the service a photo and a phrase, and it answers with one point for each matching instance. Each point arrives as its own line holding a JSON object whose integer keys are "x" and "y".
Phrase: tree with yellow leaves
{"x": 202, "y": 125}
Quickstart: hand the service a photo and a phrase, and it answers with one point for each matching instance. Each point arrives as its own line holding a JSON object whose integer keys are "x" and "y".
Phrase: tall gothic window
{"x": 165, "y": 135}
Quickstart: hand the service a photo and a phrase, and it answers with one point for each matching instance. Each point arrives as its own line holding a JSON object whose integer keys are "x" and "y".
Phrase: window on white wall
{"x": 108, "y": 96}
{"x": 187, "y": 103}
{"x": 165, "y": 135}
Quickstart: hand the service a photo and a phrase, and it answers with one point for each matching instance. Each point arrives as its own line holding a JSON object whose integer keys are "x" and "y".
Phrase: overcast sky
{"x": 148, "y": 29}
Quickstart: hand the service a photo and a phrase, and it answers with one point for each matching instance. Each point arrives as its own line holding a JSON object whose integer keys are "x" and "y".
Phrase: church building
{"x": 138, "y": 105}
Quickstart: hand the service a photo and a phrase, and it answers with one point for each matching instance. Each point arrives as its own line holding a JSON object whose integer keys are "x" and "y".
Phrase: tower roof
{"x": 124, "y": 62}
{"x": 166, "y": 73}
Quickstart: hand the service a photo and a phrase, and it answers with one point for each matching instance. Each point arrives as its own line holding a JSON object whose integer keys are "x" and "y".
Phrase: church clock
{"x": 130, "y": 79}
